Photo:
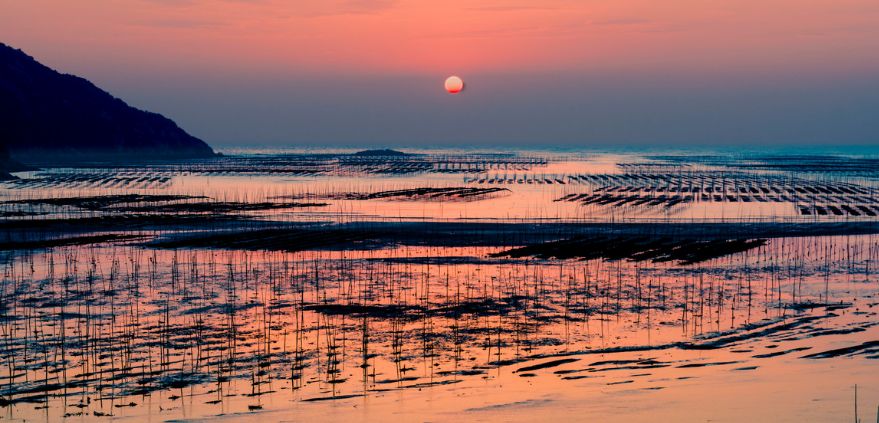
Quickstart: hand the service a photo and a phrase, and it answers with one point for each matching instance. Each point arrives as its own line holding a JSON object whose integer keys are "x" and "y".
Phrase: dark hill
{"x": 5, "y": 164}
{"x": 46, "y": 116}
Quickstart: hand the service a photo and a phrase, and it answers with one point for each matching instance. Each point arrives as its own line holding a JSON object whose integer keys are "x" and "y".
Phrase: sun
{"x": 454, "y": 84}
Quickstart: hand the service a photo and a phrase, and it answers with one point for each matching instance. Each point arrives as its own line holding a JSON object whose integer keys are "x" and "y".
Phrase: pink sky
{"x": 390, "y": 36}
{"x": 193, "y": 48}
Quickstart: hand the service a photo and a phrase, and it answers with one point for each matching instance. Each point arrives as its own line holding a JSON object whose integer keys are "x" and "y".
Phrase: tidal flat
{"x": 443, "y": 285}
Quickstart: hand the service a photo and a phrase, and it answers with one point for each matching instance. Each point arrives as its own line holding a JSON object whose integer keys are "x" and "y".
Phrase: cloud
{"x": 622, "y": 22}
{"x": 179, "y": 23}
{"x": 297, "y": 8}
{"x": 341, "y": 7}
{"x": 511, "y": 8}
{"x": 172, "y": 2}
{"x": 366, "y": 6}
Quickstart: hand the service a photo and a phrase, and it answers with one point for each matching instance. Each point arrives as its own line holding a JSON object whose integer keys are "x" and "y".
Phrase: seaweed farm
{"x": 443, "y": 285}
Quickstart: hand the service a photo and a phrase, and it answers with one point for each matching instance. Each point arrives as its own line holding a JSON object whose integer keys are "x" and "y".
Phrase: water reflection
{"x": 123, "y": 330}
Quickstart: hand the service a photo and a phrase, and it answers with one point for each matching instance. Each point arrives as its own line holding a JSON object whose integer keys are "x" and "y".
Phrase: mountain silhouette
{"x": 6, "y": 164}
{"x": 49, "y": 116}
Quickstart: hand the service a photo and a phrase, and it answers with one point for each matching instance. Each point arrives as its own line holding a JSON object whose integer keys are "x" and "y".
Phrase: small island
{"x": 386, "y": 152}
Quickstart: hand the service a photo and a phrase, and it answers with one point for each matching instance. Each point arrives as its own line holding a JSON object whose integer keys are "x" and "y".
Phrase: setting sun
{"x": 454, "y": 84}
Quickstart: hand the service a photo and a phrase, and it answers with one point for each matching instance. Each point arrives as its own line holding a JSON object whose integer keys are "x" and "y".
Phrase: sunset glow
{"x": 538, "y": 66}
{"x": 491, "y": 36}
